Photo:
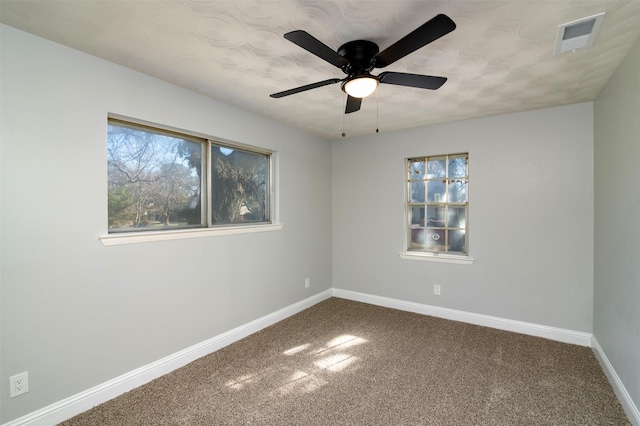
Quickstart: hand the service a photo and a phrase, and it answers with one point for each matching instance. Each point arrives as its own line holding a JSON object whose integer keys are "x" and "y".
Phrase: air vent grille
{"x": 578, "y": 34}
{"x": 577, "y": 30}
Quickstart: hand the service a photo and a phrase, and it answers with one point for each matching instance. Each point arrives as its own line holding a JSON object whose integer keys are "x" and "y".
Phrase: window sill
{"x": 181, "y": 234}
{"x": 431, "y": 257}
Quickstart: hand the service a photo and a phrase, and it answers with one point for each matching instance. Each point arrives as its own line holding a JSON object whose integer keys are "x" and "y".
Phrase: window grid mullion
{"x": 446, "y": 203}
{"x": 208, "y": 198}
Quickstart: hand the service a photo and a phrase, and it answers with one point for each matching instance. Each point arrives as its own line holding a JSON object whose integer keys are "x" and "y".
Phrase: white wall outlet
{"x": 436, "y": 289}
{"x": 307, "y": 282}
{"x": 18, "y": 384}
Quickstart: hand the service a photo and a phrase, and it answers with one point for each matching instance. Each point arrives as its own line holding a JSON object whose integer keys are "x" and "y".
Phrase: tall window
{"x": 437, "y": 204}
{"x": 159, "y": 179}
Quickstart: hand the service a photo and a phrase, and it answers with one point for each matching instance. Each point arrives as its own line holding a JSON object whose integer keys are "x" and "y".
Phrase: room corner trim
{"x": 547, "y": 332}
{"x": 83, "y": 401}
{"x": 627, "y": 403}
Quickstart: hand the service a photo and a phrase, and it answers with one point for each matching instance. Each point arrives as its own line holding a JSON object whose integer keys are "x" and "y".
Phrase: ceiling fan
{"x": 359, "y": 57}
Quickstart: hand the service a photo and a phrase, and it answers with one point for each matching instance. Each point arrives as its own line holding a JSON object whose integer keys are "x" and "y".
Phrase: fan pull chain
{"x": 344, "y": 105}
{"x": 377, "y": 110}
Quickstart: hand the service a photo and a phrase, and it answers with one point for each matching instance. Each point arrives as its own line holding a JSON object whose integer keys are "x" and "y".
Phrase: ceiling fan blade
{"x": 353, "y": 104}
{"x": 305, "y": 88}
{"x": 315, "y": 46}
{"x": 423, "y": 35}
{"x": 412, "y": 80}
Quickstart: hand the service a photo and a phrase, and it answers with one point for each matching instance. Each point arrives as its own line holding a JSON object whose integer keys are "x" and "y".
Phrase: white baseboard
{"x": 628, "y": 405}
{"x": 69, "y": 407}
{"x": 83, "y": 401}
{"x": 552, "y": 333}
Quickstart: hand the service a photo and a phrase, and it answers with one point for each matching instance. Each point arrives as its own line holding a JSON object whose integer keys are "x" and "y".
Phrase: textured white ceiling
{"x": 498, "y": 60}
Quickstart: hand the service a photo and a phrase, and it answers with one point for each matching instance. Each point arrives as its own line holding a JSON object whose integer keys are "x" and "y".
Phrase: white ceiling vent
{"x": 578, "y": 34}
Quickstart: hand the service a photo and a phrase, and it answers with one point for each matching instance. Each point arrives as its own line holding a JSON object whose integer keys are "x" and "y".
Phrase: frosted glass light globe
{"x": 361, "y": 87}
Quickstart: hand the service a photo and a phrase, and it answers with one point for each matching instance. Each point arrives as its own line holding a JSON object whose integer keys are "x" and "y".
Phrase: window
{"x": 159, "y": 179}
{"x": 437, "y": 204}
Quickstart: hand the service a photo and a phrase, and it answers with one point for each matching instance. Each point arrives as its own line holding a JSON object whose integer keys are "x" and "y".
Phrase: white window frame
{"x": 444, "y": 257}
{"x": 206, "y": 229}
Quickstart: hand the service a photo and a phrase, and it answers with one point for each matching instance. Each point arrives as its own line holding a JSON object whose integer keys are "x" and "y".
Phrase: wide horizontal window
{"x": 159, "y": 179}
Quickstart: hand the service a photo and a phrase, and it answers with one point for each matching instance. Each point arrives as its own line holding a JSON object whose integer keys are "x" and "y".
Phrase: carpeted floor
{"x": 349, "y": 363}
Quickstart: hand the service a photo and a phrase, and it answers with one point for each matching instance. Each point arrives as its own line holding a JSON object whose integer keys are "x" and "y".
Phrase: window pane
{"x": 457, "y": 166}
{"x": 435, "y": 239}
{"x": 456, "y": 241}
{"x": 457, "y": 191}
{"x": 437, "y": 191}
{"x": 456, "y": 217}
{"x": 416, "y": 169}
{"x": 417, "y": 239}
{"x": 416, "y": 190}
{"x": 436, "y": 217}
{"x": 239, "y": 186}
{"x": 436, "y": 167}
{"x": 154, "y": 179}
{"x": 417, "y": 216}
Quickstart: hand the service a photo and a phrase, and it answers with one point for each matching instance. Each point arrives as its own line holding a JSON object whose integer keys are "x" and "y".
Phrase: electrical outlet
{"x": 436, "y": 289}
{"x": 307, "y": 283}
{"x": 18, "y": 384}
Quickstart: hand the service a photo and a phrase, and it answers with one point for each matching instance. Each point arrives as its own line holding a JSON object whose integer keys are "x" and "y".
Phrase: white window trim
{"x": 145, "y": 235}
{"x": 435, "y": 257}
{"x": 117, "y": 239}
{"x": 426, "y": 255}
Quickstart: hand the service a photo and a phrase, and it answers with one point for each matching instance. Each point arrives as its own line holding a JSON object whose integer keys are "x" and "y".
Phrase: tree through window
{"x": 163, "y": 180}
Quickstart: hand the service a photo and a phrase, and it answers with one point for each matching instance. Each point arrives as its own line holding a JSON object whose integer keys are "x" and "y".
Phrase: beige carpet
{"x": 348, "y": 363}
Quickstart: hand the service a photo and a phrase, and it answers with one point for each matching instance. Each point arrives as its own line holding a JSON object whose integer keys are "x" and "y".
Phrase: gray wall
{"x": 531, "y": 217}
{"x": 75, "y": 313}
{"x": 616, "y": 312}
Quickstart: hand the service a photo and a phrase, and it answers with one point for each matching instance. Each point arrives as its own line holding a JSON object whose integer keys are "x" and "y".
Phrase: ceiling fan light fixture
{"x": 361, "y": 87}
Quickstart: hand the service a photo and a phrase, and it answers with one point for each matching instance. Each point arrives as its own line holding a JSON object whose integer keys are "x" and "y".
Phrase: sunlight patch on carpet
{"x": 341, "y": 342}
{"x": 241, "y": 382}
{"x": 346, "y": 341}
{"x": 297, "y": 349}
{"x": 301, "y": 382}
{"x": 336, "y": 362}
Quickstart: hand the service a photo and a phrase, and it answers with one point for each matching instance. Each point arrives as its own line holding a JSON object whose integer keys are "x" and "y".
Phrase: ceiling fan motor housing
{"x": 360, "y": 54}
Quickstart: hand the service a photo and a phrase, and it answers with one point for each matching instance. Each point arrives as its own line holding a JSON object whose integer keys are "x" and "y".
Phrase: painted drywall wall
{"x": 76, "y": 313}
{"x": 531, "y": 217}
{"x": 616, "y": 313}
